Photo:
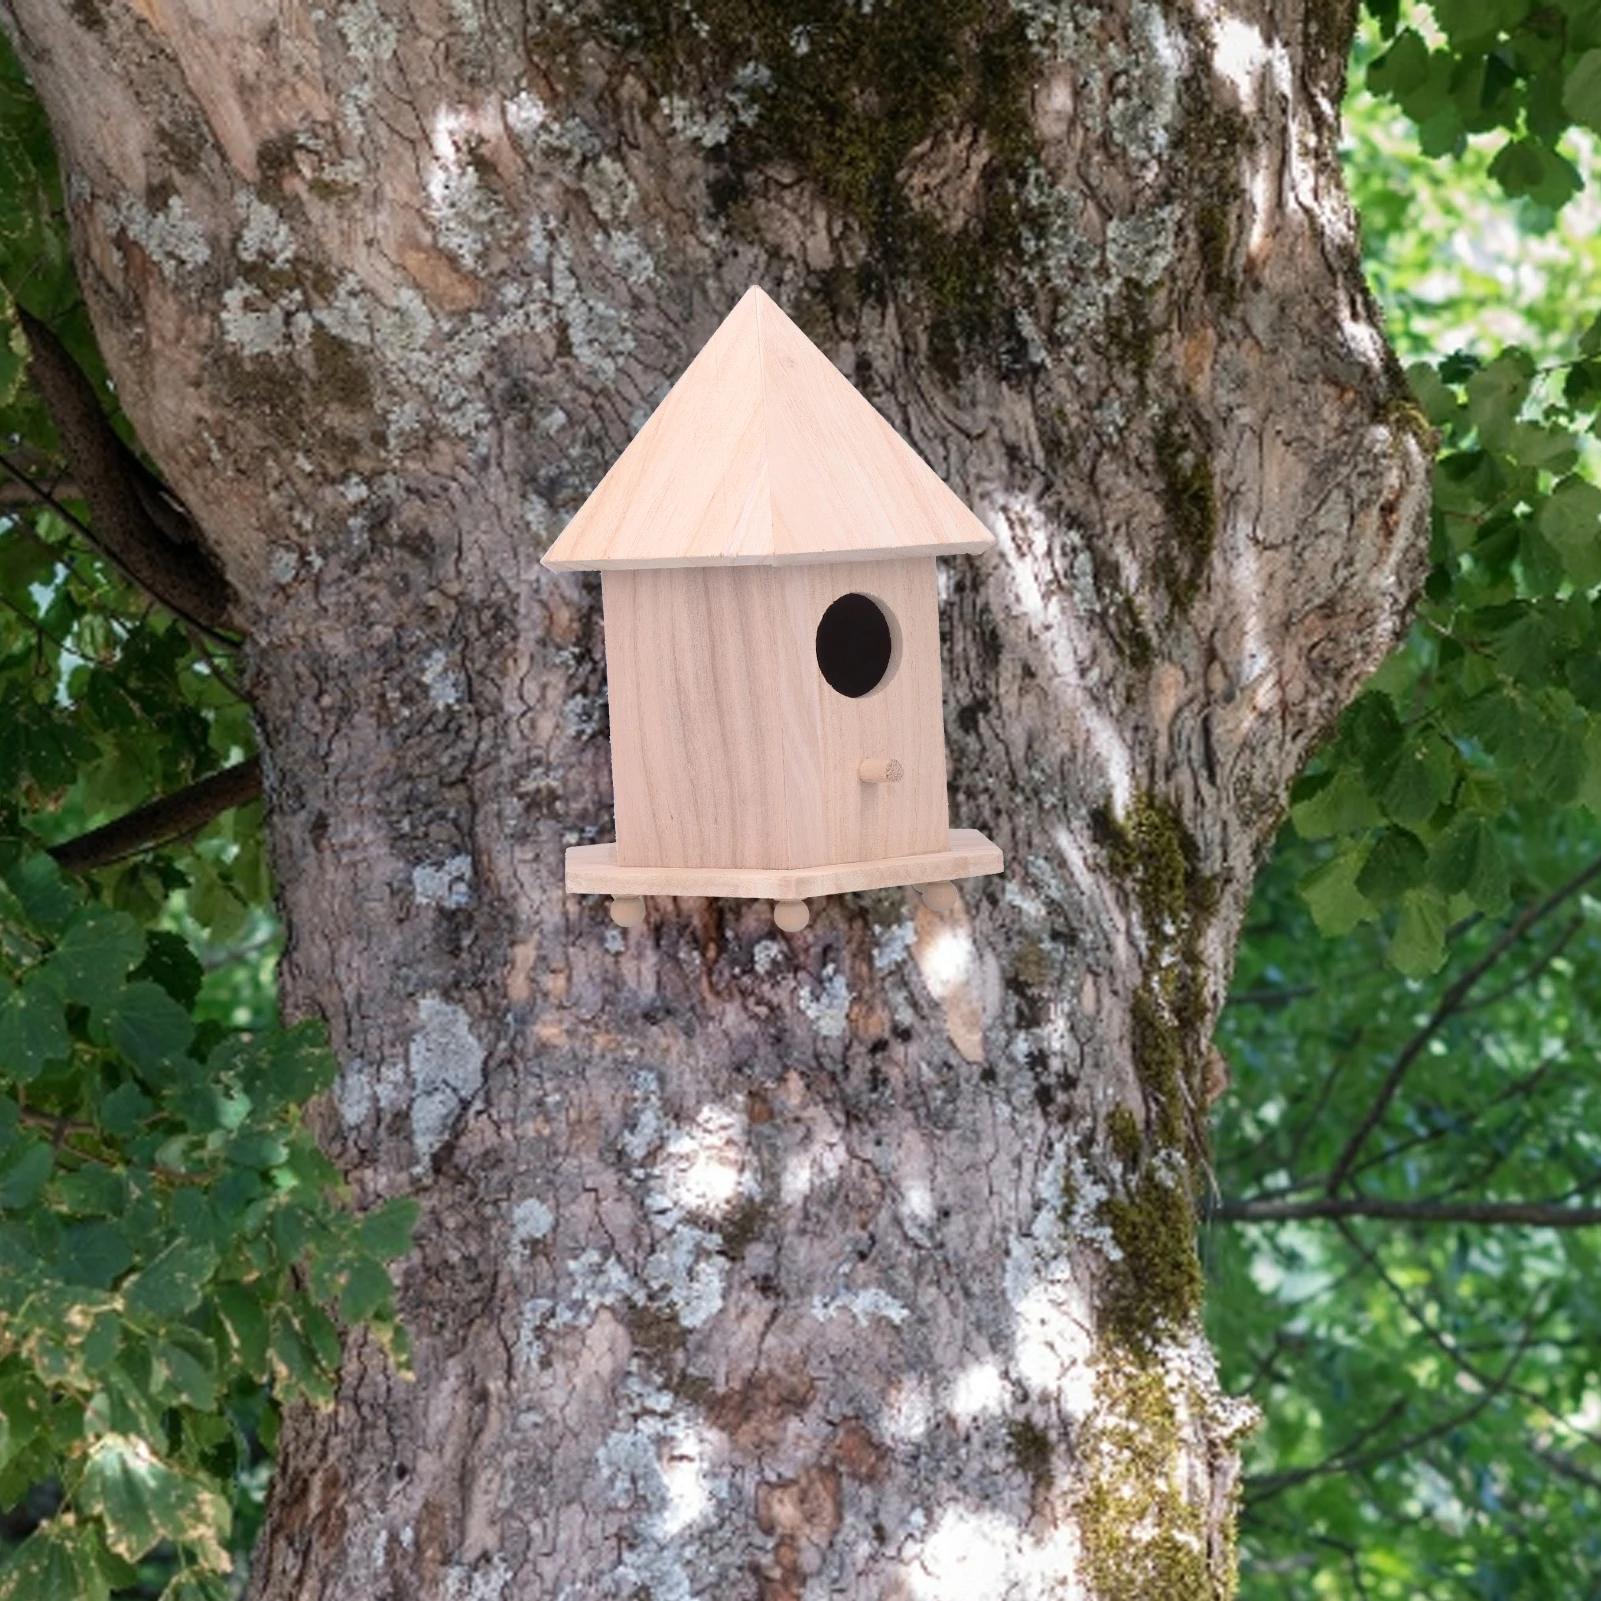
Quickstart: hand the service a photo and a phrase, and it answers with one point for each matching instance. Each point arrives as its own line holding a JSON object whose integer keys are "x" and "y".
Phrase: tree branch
{"x": 134, "y": 521}
{"x": 1449, "y": 1003}
{"x": 1528, "y": 1214}
{"x": 162, "y": 820}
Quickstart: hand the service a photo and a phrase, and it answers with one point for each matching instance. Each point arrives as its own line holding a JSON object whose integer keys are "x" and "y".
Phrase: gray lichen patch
{"x": 164, "y": 230}
{"x": 447, "y": 1073}
{"x": 447, "y": 884}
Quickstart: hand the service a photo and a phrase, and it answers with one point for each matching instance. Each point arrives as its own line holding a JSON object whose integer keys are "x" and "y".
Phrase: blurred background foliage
{"x": 1402, "y": 1233}
{"x": 1405, "y": 1230}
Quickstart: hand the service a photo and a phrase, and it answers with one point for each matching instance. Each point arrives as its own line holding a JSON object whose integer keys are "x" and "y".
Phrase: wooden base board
{"x": 593, "y": 870}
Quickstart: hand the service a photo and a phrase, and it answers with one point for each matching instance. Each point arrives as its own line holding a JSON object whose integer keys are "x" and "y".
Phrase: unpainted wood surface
{"x": 595, "y": 870}
{"x": 729, "y": 748}
{"x": 763, "y": 452}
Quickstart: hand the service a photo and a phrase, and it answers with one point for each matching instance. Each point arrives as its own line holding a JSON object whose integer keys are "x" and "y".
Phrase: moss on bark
{"x": 910, "y": 118}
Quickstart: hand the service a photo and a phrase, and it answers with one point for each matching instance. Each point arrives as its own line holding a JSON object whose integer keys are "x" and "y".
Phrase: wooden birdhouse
{"x": 766, "y": 547}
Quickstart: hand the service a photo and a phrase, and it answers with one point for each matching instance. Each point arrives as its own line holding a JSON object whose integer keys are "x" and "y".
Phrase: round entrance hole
{"x": 854, "y": 645}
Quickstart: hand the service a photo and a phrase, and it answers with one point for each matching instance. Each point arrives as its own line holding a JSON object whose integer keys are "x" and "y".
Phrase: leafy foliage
{"x": 171, "y": 1238}
{"x": 176, "y": 1255}
{"x": 1528, "y": 73}
{"x": 1426, "y": 1373}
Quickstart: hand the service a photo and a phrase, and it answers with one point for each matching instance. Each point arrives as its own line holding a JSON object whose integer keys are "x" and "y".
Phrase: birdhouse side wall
{"x": 729, "y": 748}
{"x": 694, "y": 669}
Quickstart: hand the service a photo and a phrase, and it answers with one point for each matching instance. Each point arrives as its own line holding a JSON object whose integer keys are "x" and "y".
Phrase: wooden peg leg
{"x": 628, "y": 911}
{"x": 791, "y": 916}
{"x": 940, "y": 897}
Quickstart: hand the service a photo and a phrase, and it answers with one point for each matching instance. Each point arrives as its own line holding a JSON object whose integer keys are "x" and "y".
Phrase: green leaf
{"x": 95, "y": 1253}
{"x": 197, "y": 1585}
{"x": 171, "y": 963}
{"x": 1417, "y": 948}
{"x": 24, "y": 1406}
{"x": 1398, "y": 862}
{"x": 367, "y": 1287}
{"x": 1402, "y": 68}
{"x": 33, "y": 1032}
{"x": 1581, "y": 90}
{"x": 386, "y": 1230}
{"x": 1559, "y": 768}
{"x": 1422, "y": 779}
{"x": 43, "y": 896}
{"x": 246, "y": 1322}
{"x": 173, "y": 1282}
{"x": 185, "y": 1372}
{"x": 1571, "y": 520}
{"x": 150, "y": 1028}
{"x": 1439, "y": 403}
{"x": 1496, "y": 393}
{"x": 1477, "y": 21}
{"x": 55, "y": 1563}
{"x": 95, "y": 954}
{"x": 143, "y": 1501}
{"x": 1468, "y": 860}
{"x": 24, "y": 1171}
{"x": 1553, "y": 450}
{"x": 1341, "y": 805}
{"x": 124, "y": 1109}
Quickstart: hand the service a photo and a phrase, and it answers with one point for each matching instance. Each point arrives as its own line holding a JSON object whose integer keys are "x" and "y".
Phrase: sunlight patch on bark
{"x": 978, "y": 1391}
{"x": 974, "y": 1555}
{"x": 1026, "y": 537}
{"x": 703, "y": 1169}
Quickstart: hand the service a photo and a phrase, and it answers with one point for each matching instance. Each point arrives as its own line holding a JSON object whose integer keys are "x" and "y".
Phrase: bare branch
{"x": 1449, "y": 1004}
{"x": 134, "y": 521}
{"x": 163, "y": 820}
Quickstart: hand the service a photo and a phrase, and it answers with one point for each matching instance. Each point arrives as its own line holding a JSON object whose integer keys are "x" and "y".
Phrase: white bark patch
{"x": 448, "y": 883}
{"x": 1238, "y": 56}
{"x": 766, "y": 955}
{"x": 444, "y": 684}
{"x": 465, "y": 213}
{"x": 893, "y": 944}
{"x": 353, "y": 1094}
{"x": 1052, "y": 1324}
{"x": 665, "y": 1464}
{"x": 265, "y": 236}
{"x": 1023, "y": 532}
{"x": 251, "y": 323}
{"x": 971, "y": 1555}
{"x": 908, "y": 1411}
{"x": 978, "y": 1391}
{"x": 863, "y": 1305}
{"x": 485, "y": 1582}
{"x": 447, "y": 1072}
{"x": 531, "y": 1219}
{"x": 826, "y": 1006}
{"x": 703, "y": 1169}
{"x": 690, "y": 1273}
{"x": 171, "y": 238}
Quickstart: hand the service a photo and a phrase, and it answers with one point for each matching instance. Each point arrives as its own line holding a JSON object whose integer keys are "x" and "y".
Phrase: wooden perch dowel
{"x": 881, "y": 770}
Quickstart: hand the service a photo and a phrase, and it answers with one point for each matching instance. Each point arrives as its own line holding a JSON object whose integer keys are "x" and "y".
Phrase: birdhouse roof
{"x": 764, "y": 453}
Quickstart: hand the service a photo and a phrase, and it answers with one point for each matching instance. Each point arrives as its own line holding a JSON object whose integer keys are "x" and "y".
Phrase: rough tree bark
{"x": 859, "y": 1262}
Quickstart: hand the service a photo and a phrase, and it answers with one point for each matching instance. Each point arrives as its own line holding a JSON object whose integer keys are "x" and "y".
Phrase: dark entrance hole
{"x": 854, "y": 645}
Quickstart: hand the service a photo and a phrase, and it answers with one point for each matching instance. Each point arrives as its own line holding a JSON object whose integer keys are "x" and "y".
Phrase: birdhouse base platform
{"x": 594, "y": 870}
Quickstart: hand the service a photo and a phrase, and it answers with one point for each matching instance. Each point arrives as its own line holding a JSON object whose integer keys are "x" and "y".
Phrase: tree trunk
{"x": 857, "y": 1262}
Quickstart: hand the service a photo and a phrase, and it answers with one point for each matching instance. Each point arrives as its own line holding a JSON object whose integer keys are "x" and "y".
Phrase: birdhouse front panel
{"x": 775, "y": 717}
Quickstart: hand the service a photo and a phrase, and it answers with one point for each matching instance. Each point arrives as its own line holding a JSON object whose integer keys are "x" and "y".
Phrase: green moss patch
{"x": 909, "y": 117}
{"x": 1142, "y": 1540}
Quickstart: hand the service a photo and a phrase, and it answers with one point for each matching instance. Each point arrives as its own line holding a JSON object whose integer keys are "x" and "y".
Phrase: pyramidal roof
{"x": 764, "y": 453}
